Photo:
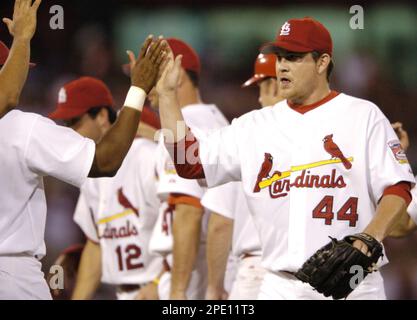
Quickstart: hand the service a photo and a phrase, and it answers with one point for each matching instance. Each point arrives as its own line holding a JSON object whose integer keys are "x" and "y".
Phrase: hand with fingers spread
{"x": 171, "y": 71}
{"x": 23, "y": 24}
{"x": 145, "y": 69}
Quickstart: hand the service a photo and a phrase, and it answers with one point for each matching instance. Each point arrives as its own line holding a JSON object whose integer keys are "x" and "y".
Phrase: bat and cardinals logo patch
{"x": 279, "y": 183}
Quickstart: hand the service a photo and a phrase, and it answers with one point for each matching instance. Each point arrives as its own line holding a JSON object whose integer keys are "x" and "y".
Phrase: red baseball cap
{"x": 4, "y": 54}
{"x": 190, "y": 59}
{"x": 78, "y": 96}
{"x": 301, "y": 35}
{"x": 264, "y": 68}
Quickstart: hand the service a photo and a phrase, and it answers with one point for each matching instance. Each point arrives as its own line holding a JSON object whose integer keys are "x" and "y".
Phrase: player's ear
{"x": 322, "y": 63}
{"x": 103, "y": 117}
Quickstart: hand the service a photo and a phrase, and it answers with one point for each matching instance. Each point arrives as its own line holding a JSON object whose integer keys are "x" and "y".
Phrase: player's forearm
{"x": 13, "y": 74}
{"x": 390, "y": 211}
{"x": 403, "y": 226}
{"x": 172, "y": 120}
{"x": 186, "y": 231}
{"x": 89, "y": 272}
{"x": 219, "y": 241}
{"x": 113, "y": 147}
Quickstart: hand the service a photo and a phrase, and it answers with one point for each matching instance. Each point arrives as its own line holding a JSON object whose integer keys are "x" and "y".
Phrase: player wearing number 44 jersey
{"x": 319, "y": 164}
{"x": 116, "y": 214}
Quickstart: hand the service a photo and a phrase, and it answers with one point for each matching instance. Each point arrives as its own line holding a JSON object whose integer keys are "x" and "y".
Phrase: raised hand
{"x": 171, "y": 71}
{"x": 23, "y": 24}
{"x": 144, "y": 70}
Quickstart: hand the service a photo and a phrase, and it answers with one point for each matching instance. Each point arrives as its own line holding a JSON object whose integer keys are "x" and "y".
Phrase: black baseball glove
{"x": 329, "y": 269}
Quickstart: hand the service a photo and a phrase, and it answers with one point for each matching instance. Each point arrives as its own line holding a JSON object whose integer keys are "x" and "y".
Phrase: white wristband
{"x": 135, "y": 98}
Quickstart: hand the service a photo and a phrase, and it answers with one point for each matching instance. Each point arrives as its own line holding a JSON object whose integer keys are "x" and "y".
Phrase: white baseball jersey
{"x": 412, "y": 207}
{"x": 119, "y": 213}
{"x": 245, "y": 235}
{"x": 33, "y": 147}
{"x": 202, "y": 118}
{"x": 307, "y": 176}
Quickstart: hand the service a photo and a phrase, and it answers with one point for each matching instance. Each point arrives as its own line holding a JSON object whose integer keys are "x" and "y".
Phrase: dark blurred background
{"x": 376, "y": 63}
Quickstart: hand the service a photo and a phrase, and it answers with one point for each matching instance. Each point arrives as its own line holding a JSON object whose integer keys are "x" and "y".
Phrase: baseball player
{"x": 33, "y": 146}
{"x": 236, "y": 224}
{"x": 319, "y": 164}
{"x": 180, "y": 232}
{"x": 264, "y": 76}
{"x": 408, "y": 224}
{"x": 116, "y": 214}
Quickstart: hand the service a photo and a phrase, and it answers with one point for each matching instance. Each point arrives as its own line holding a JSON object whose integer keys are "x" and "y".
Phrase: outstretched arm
{"x": 14, "y": 72}
{"x": 113, "y": 147}
{"x": 178, "y": 137}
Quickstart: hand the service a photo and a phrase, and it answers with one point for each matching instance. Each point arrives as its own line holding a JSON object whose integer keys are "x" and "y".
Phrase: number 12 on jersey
{"x": 131, "y": 254}
{"x": 324, "y": 210}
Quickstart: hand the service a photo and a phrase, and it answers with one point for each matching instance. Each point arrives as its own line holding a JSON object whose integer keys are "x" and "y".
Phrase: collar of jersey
{"x": 306, "y": 108}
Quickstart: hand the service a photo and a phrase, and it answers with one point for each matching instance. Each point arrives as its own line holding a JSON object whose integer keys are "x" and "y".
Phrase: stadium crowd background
{"x": 377, "y": 63}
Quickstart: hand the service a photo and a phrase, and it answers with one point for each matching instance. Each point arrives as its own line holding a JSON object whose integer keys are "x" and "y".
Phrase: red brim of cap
{"x": 32, "y": 65}
{"x": 255, "y": 79}
{"x": 274, "y": 47}
{"x": 62, "y": 113}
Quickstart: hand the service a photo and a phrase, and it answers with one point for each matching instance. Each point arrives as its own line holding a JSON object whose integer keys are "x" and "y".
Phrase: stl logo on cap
{"x": 62, "y": 96}
{"x": 285, "y": 29}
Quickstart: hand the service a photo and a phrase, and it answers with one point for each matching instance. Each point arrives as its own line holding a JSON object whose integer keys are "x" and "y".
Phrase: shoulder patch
{"x": 398, "y": 151}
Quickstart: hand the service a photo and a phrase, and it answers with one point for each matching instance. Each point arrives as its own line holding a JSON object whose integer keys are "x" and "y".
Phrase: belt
{"x": 128, "y": 287}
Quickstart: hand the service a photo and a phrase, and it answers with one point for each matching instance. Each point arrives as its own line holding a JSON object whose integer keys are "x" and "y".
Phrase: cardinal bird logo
{"x": 125, "y": 201}
{"x": 265, "y": 170}
{"x": 331, "y": 148}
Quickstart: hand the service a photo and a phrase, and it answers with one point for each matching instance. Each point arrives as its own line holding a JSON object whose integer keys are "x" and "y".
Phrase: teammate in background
{"x": 33, "y": 147}
{"x": 180, "y": 233}
{"x": 15, "y": 64}
{"x": 235, "y": 227}
{"x": 264, "y": 76}
{"x": 317, "y": 178}
{"x": 402, "y": 135}
{"x": 408, "y": 224}
{"x": 117, "y": 214}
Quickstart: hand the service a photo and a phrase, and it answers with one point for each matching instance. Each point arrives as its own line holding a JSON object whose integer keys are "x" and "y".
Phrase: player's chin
{"x": 286, "y": 92}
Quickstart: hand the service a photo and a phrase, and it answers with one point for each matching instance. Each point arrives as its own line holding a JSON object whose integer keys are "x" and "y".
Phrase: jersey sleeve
{"x": 171, "y": 182}
{"x": 59, "y": 152}
{"x": 84, "y": 217}
{"x": 219, "y": 153}
{"x": 388, "y": 163}
{"x": 222, "y": 199}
